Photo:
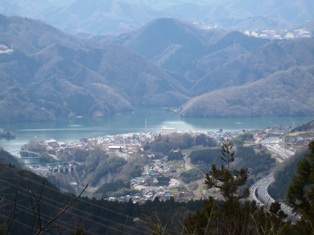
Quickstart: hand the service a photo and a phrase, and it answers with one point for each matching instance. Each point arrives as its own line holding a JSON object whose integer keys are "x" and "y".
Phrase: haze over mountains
{"x": 47, "y": 73}
{"x": 103, "y": 16}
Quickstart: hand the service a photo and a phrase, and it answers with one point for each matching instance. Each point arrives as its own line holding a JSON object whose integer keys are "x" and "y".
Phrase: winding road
{"x": 259, "y": 190}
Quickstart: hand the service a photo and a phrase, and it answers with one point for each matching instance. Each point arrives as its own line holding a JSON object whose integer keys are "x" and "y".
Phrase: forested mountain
{"x": 51, "y": 74}
{"x": 285, "y": 93}
{"x": 186, "y": 51}
{"x": 48, "y": 74}
{"x": 270, "y": 58}
{"x": 266, "y": 78}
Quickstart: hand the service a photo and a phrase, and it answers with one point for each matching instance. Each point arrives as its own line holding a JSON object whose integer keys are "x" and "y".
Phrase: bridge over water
{"x": 60, "y": 167}
{"x": 37, "y": 160}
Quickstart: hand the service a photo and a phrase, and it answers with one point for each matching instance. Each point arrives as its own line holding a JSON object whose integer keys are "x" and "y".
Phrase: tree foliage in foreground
{"x": 300, "y": 195}
{"x": 233, "y": 213}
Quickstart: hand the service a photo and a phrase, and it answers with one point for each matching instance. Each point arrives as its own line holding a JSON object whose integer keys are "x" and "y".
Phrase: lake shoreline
{"x": 142, "y": 120}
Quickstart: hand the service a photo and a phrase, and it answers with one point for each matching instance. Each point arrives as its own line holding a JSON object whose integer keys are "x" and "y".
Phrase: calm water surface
{"x": 147, "y": 120}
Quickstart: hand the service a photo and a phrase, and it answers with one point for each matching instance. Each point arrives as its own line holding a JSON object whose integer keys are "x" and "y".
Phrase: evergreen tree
{"x": 300, "y": 195}
{"x": 229, "y": 181}
{"x": 226, "y": 179}
{"x": 233, "y": 214}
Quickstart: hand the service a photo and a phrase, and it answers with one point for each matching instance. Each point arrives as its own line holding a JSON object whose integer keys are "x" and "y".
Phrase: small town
{"x": 160, "y": 177}
{"x": 278, "y": 34}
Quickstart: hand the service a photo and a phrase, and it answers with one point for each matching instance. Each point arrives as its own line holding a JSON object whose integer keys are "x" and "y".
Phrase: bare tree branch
{"x": 44, "y": 228}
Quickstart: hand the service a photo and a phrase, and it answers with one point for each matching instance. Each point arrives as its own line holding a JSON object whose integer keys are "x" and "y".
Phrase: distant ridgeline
{"x": 49, "y": 74}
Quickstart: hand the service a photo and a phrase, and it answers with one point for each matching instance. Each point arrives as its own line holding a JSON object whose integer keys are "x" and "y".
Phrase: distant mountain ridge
{"x": 51, "y": 74}
{"x": 268, "y": 59}
{"x": 116, "y": 16}
{"x": 54, "y": 75}
{"x": 184, "y": 49}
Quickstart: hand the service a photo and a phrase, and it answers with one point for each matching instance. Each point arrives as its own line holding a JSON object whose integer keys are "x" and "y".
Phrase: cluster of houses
{"x": 145, "y": 195}
{"x": 127, "y": 143}
{"x": 124, "y": 143}
{"x": 278, "y": 34}
{"x": 159, "y": 178}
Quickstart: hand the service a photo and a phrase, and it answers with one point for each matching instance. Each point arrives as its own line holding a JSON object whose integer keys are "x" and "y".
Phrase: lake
{"x": 141, "y": 120}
